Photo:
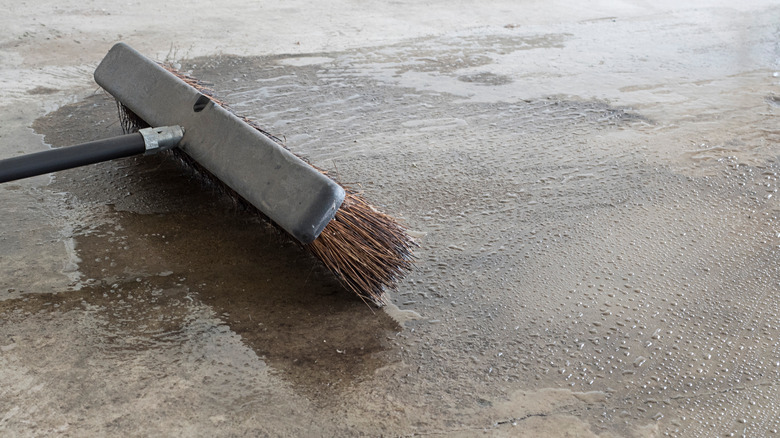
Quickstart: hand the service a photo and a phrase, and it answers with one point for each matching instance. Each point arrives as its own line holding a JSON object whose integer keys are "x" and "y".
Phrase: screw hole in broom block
{"x": 200, "y": 103}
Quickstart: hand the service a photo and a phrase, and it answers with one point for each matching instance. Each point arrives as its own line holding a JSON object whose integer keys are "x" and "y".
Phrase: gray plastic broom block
{"x": 293, "y": 194}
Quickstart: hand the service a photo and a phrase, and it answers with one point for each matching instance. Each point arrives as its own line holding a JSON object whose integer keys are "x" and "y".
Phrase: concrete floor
{"x": 594, "y": 191}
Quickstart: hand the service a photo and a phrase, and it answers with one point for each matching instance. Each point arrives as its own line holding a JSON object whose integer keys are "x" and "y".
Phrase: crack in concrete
{"x": 514, "y": 421}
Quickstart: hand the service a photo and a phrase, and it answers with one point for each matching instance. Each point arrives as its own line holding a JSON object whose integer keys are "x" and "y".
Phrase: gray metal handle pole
{"x": 146, "y": 141}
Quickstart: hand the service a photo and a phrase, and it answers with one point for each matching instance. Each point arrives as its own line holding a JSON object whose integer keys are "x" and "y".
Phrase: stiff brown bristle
{"x": 367, "y": 250}
{"x": 129, "y": 120}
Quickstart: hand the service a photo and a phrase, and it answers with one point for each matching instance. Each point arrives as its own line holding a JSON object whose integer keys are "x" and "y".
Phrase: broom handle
{"x": 145, "y": 141}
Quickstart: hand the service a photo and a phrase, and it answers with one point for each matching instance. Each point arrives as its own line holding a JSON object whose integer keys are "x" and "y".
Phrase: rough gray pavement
{"x": 594, "y": 191}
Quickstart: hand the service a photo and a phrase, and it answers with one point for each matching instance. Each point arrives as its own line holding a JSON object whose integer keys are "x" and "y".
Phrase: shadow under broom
{"x": 368, "y": 251}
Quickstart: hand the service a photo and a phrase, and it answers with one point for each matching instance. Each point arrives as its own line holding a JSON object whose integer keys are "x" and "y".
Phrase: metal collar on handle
{"x": 161, "y": 138}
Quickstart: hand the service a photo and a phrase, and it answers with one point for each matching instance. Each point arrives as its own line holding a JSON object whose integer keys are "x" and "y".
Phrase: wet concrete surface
{"x": 595, "y": 200}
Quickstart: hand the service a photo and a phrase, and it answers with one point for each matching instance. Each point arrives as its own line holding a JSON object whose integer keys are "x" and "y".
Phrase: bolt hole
{"x": 200, "y": 103}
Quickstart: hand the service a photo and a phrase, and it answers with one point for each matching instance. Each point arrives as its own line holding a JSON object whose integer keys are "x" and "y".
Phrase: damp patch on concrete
{"x": 571, "y": 278}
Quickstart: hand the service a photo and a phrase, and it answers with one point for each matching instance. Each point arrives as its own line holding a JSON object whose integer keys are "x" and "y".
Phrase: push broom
{"x": 368, "y": 251}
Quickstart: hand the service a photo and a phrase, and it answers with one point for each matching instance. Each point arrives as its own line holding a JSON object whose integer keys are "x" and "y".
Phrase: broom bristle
{"x": 368, "y": 251}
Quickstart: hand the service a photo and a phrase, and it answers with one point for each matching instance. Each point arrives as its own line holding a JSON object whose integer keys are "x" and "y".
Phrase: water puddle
{"x": 166, "y": 244}
{"x": 557, "y": 254}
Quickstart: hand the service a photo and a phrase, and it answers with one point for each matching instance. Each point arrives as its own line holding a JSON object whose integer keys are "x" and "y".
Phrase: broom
{"x": 368, "y": 251}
